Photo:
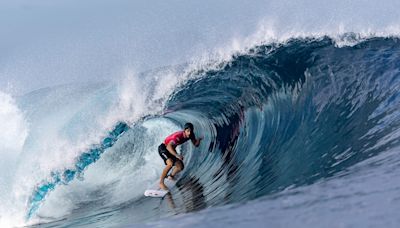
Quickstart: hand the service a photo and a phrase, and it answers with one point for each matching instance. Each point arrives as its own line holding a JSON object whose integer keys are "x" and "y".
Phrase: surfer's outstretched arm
{"x": 196, "y": 142}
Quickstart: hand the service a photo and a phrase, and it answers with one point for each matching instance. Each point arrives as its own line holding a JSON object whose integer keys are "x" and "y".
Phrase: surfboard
{"x": 155, "y": 191}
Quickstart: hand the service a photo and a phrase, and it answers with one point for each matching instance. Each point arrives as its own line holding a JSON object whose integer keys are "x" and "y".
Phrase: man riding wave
{"x": 167, "y": 151}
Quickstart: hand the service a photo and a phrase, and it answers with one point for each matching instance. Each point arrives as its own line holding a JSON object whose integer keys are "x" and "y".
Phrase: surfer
{"x": 170, "y": 156}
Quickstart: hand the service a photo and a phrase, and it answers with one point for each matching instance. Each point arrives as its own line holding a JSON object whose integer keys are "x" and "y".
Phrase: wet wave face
{"x": 277, "y": 117}
{"x": 288, "y": 115}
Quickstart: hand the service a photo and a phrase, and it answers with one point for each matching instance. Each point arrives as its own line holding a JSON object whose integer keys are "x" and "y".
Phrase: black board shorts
{"x": 165, "y": 154}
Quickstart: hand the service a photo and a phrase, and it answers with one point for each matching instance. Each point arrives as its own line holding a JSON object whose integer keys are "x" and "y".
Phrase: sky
{"x": 45, "y": 43}
{"x": 50, "y": 42}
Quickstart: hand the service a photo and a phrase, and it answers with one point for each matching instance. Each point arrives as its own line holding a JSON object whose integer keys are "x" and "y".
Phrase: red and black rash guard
{"x": 177, "y": 138}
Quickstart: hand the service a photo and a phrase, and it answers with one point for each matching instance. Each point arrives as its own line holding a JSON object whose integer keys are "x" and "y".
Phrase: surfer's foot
{"x": 170, "y": 177}
{"x": 163, "y": 186}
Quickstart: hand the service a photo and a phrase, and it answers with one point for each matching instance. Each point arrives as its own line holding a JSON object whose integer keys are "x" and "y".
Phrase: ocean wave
{"x": 276, "y": 116}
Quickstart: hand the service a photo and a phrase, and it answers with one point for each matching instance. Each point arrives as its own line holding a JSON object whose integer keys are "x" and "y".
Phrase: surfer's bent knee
{"x": 169, "y": 162}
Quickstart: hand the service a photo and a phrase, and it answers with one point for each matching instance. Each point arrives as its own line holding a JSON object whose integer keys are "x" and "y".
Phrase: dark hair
{"x": 188, "y": 126}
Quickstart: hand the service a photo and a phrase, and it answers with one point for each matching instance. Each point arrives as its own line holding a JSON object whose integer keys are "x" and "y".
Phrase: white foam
{"x": 140, "y": 96}
{"x": 62, "y": 125}
{"x": 14, "y": 130}
{"x": 12, "y": 124}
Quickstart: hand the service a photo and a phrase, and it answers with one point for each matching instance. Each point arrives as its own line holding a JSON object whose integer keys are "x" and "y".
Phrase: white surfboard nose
{"x": 155, "y": 193}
